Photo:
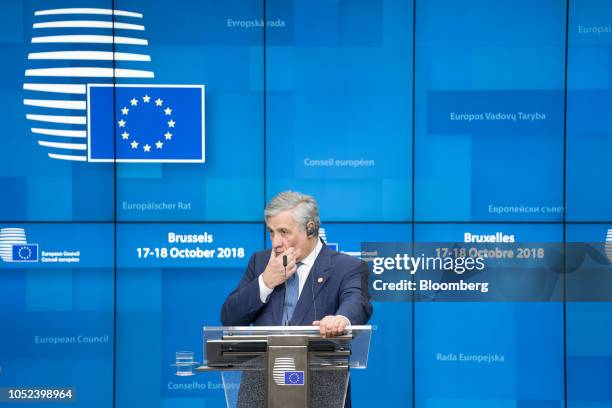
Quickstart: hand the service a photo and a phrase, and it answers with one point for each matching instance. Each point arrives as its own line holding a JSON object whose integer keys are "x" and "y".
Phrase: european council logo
{"x": 152, "y": 123}
{"x": 15, "y": 248}
{"x": 323, "y": 236}
{"x": 79, "y": 114}
{"x": 335, "y": 246}
{"x": 284, "y": 372}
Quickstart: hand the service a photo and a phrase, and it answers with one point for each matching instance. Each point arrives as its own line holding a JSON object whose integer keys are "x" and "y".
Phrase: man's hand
{"x": 331, "y": 326}
{"x": 274, "y": 274}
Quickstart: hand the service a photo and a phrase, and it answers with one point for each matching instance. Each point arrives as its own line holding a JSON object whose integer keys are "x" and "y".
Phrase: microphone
{"x": 286, "y": 321}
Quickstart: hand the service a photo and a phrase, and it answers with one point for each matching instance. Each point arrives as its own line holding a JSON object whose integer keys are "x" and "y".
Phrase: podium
{"x": 284, "y": 366}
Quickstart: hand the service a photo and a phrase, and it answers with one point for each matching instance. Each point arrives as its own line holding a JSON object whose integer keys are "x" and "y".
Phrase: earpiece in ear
{"x": 310, "y": 231}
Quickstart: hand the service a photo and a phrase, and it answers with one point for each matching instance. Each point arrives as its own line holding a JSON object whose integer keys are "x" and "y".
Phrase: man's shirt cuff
{"x": 264, "y": 291}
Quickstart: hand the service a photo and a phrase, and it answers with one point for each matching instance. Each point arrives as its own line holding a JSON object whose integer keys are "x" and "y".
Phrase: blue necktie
{"x": 293, "y": 293}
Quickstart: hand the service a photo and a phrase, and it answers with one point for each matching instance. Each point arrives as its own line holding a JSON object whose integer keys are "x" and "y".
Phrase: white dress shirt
{"x": 303, "y": 271}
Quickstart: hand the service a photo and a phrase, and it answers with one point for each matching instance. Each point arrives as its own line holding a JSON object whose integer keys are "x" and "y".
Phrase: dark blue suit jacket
{"x": 337, "y": 283}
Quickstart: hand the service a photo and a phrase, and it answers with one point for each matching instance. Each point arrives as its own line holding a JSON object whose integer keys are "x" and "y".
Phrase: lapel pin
{"x": 319, "y": 280}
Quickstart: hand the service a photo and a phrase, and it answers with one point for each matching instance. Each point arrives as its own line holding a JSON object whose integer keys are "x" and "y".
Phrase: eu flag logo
{"x": 25, "y": 253}
{"x": 294, "y": 378}
{"x": 145, "y": 123}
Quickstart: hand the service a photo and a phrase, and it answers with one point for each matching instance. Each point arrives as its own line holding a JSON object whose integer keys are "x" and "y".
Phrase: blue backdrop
{"x": 408, "y": 120}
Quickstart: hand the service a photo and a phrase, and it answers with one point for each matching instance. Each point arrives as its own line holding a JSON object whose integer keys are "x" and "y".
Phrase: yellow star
{"x": 168, "y": 135}
{"x": 121, "y": 123}
{"x": 171, "y": 123}
{"x": 146, "y": 98}
{"x": 158, "y": 102}
{"x": 168, "y": 111}
{"x": 159, "y": 144}
{"x": 146, "y": 148}
{"x": 125, "y": 135}
{"x": 124, "y": 111}
{"x": 134, "y": 101}
{"x": 134, "y": 144}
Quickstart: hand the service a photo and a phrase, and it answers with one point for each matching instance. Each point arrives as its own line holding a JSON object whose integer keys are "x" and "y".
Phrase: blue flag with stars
{"x": 145, "y": 123}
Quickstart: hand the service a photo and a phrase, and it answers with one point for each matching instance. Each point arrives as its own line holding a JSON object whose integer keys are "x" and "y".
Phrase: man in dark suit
{"x": 324, "y": 288}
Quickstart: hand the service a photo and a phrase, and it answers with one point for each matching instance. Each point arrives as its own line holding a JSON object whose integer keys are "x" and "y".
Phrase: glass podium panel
{"x": 260, "y": 367}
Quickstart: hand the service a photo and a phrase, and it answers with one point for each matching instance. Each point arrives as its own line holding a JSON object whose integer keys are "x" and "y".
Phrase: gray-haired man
{"x": 324, "y": 287}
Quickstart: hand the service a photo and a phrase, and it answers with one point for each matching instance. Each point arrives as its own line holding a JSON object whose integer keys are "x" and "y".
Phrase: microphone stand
{"x": 286, "y": 321}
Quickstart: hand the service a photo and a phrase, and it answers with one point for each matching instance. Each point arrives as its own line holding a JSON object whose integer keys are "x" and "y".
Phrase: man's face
{"x": 285, "y": 233}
